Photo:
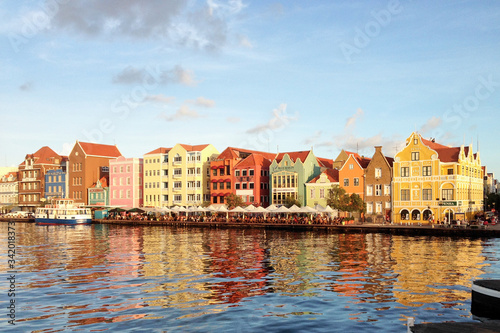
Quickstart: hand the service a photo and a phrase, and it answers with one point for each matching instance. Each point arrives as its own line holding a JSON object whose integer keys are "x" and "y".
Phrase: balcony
{"x": 177, "y": 189}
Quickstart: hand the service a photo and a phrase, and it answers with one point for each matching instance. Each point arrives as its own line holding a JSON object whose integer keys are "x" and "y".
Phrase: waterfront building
{"x": 317, "y": 189}
{"x": 341, "y": 158}
{"x": 56, "y": 185}
{"x": 88, "y": 163}
{"x": 98, "y": 193}
{"x": 155, "y": 176}
{"x": 241, "y": 172}
{"x": 378, "y": 180}
{"x": 178, "y": 175}
{"x": 352, "y": 174}
{"x": 9, "y": 188}
{"x": 434, "y": 180}
{"x": 32, "y": 177}
{"x": 125, "y": 182}
{"x": 289, "y": 174}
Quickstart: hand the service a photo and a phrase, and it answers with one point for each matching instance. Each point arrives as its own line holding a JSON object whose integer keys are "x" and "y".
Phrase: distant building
{"x": 434, "y": 180}
{"x": 317, "y": 189}
{"x": 378, "y": 182}
{"x": 98, "y": 193}
{"x": 8, "y": 191}
{"x": 125, "y": 182}
{"x": 178, "y": 175}
{"x": 32, "y": 177}
{"x": 88, "y": 163}
{"x": 289, "y": 174}
{"x": 56, "y": 185}
{"x": 241, "y": 172}
{"x": 352, "y": 174}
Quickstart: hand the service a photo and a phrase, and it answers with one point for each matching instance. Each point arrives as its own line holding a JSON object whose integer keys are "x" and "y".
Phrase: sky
{"x": 263, "y": 75}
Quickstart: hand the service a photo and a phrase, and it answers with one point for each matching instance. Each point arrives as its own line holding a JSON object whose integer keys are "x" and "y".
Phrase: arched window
{"x": 415, "y": 215}
{"x": 405, "y": 214}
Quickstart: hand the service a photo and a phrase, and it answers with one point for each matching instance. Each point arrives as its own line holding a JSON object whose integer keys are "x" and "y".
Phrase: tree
{"x": 336, "y": 198}
{"x": 290, "y": 201}
{"x": 233, "y": 200}
{"x": 356, "y": 204}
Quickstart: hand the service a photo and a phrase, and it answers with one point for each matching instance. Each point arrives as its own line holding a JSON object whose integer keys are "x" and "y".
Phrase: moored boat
{"x": 486, "y": 299}
{"x": 63, "y": 211}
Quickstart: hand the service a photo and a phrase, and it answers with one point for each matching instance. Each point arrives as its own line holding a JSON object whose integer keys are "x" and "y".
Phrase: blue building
{"x": 55, "y": 184}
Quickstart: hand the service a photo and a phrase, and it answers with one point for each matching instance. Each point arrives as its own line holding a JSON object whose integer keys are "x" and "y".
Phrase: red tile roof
{"x": 331, "y": 174}
{"x": 432, "y": 144}
{"x": 97, "y": 149}
{"x": 325, "y": 162}
{"x": 194, "y": 148}
{"x": 44, "y": 155}
{"x": 253, "y": 160}
{"x": 160, "y": 150}
{"x": 363, "y": 161}
{"x": 294, "y": 156}
{"x": 235, "y": 153}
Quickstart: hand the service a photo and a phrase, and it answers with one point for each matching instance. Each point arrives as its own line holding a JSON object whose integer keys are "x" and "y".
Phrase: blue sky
{"x": 261, "y": 75}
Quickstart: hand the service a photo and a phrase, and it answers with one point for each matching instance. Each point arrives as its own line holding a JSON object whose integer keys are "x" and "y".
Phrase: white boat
{"x": 486, "y": 299}
{"x": 63, "y": 211}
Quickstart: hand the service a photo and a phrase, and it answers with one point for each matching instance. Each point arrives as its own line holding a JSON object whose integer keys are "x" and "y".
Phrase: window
{"x": 405, "y": 195}
{"x": 356, "y": 181}
{"x": 351, "y": 166}
{"x": 237, "y": 173}
{"x": 251, "y": 185}
{"x": 237, "y": 186}
{"x": 178, "y": 197}
{"x": 369, "y": 208}
{"x": 214, "y": 186}
{"x": 244, "y": 172}
{"x": 346, "y": 181}
{"x": 378, "y": 172}
{"x": 387, "y": 189}
{"x": 177, "y": 172}
{"x": 427, "y": 171}
{"x": 427, "y": 194}
{"x": 378, "y": 189}
{"x": 405, "y": 172}
{"x": 415, "y": 141}
{"x": 369, "y": 190}
{"x": 250, "y": 172}
{"x": 447, "y": 194}
{"x": 244, "y": 186}
{"x": 415, "y": 155}
{"x": 378, "y": 207}
{"x": 228, "y": 186}
{"x": 450, "y": 171}
{"x": 321, "y": 193}
{"x": 312, "y": 193}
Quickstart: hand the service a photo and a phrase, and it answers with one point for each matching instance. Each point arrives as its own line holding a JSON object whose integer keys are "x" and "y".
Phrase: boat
{"x": 486, "y": 299}
{"x": 63, "y": 211}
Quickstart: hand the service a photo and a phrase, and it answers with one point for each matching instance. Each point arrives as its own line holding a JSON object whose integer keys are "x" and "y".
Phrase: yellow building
{"x": 177, "y": 175}
{"x": 433, "y": 181}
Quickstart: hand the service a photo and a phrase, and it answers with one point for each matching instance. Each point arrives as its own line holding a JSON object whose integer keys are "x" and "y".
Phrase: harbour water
{"x": 176, "y": 279}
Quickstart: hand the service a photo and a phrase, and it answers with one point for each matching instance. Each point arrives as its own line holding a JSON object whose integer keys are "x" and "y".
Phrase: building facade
{"x": 289, "y": 173}
{"x": 434, "y": 181}
{"x": 88, "y": 163}
{"x": 317, "y": 189}
{"x": 9, "y": 192}
{"x": 32, "y": 177}
{"x": 378, "y": 184}
{"x": 98, "y": 193}
{"x": 178, "y": 175}
{"x": 125, "y": 182}
{"x": 352, "y": 174}
{"x": 56, "y": 185}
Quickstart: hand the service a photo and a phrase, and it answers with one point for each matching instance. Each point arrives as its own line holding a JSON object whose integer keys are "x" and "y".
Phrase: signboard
{"x": 448, "y": 203}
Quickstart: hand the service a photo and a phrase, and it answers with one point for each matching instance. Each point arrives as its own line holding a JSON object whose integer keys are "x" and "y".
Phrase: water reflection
{"x": 99, "y": 276}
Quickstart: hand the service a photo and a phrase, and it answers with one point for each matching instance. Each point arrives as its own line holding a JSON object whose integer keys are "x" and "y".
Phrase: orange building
{"x": 351, "y": 174}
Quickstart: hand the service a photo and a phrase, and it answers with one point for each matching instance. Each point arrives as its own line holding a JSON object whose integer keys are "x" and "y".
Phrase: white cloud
{"x": 351, "y": 121}
{"x": 202, "y": 101}
{"x": 431, "y": 124}
{"x": 176, "y": 75}
{"x": 184, "y": 112}
{"x": 279, "y": 120}
{"x": 160, "y": 98}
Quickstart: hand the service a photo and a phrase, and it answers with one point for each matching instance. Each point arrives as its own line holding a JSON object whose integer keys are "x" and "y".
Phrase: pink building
{"x": 125, "y": 182}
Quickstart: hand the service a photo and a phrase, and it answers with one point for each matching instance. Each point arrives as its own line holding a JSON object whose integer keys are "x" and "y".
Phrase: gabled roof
{"x": 235, "y": 153}
{"x": 160, "y": 150}
{"x": 432, "y": 144}
{"x": 253, "y": 160}
{"x": 363, "y": 161}
{"x": 98, "y": 149}
{"x": 390, "y": 160}
{"x": 325, "y": 162}
{"x": 331, "y": 174}
{"x": 294, "y": 156}
{"x": 44, "y": 155}
{"x": 193, "y": 148}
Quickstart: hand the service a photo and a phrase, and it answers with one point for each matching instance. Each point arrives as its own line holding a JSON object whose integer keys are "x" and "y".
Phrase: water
{"x": 166, "y": 279}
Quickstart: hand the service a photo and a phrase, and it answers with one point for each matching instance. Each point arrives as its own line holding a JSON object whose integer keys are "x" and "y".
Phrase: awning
{"x": 221, "y": 180}
{"x": 227, "y": 180}
{"x": 214, "y": 180}
{"x": 214, "y": 194}
{"x": 214, "y": 167}
{"x": 221, "y": 166}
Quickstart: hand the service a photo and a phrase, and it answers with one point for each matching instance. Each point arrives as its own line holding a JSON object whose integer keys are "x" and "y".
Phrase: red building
{"x": 242, "y": 172}
{"x": 32, "y": 177}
